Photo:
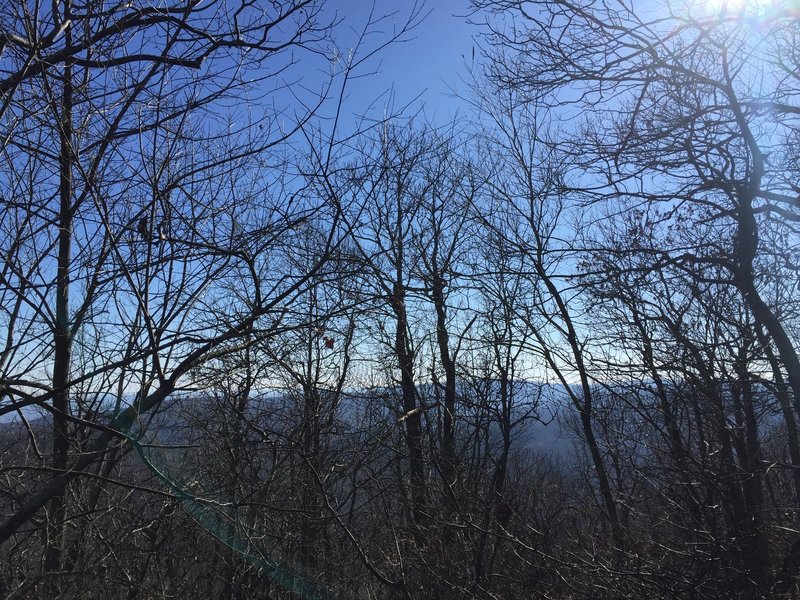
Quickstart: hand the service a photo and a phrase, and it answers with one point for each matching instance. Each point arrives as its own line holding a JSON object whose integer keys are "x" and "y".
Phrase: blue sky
{"x": 432, "y": 60}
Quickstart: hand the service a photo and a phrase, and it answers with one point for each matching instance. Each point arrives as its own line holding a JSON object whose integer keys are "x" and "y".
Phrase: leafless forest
{"x": 253, "y": 345}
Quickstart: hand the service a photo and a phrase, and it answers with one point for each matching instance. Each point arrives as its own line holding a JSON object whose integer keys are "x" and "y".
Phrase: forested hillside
{"x": 258, "y": 342}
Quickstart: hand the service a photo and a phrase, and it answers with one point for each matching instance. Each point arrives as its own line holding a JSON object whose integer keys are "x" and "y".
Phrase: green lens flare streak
{"x": 207, "y": 515}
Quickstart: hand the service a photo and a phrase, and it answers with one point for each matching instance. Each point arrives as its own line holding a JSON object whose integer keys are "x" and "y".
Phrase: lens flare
{"x": 751, "y": 8}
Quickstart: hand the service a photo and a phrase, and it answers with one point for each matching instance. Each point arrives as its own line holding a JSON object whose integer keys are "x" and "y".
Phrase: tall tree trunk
{"x": 62, "y": 334}
{"x": 736, "y": 508}
{"x": 496, "y": 507}
{"x": 413, "y": 417}
{"x": 448, "y": 455}
{"x": 310, "y": 447}
{"x": 745, "y": 250}
{"x": 583, "y": 403}
{"x": 755, "y": 547}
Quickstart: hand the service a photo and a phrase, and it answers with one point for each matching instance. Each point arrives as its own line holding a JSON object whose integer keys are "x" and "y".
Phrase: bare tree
{"x": 679, "y": 112}
{"x": 146, "y": 224}
{"x": 688, "y": 117}
{"x": 531, "y": 214}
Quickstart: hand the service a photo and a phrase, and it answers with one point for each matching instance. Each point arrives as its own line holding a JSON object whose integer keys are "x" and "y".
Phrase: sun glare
{"x": 727, "y": 7}
{"x": 724, "y": 6}
{"x": 748, "y": 8}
